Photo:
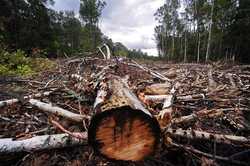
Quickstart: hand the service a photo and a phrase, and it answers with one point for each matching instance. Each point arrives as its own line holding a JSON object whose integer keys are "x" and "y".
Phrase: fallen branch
{"x": 13, "y": 101}
{"x": 161, "y": 98}
{"x": 78, "y": 77}
{"x": 153, "y": 73}
{"x": 75, "y": 134}
{"x": 198, "y": 115}
{"x": 108, "y": 56}
{"x": 58, "y": 111}
{"x": 219, "y": 138}
{"x": 8, "y": 145}
{"x": 165, "y": 115}
{"x": 211, "y": 83}
{"x": 230, "y": 77}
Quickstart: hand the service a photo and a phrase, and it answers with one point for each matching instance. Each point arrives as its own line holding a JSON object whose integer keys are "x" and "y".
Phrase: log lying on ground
{"x": 200, "y": 114}
{"x": 8, "y": 145}
{"x": 58, "y": 111}
{"x": 153, "y": 73}
{"x": 214, "y": 113}
{"x": 219, "y": 138}
{"x": 165, "y": 115}
{"x": 158, "y": 89}
{"x": 122, "y": 128}
{"x": 13, "y": 101}
{"x": 161, "y": 98}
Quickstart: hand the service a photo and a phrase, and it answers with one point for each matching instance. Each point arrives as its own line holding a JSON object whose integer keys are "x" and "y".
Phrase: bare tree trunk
{"x": 163, "y": 46}
{"x": 210, "y": 32}
{"x": 181, "y": 52}
{"x": 185, "y": 52}
{"x": 198, "y": 49}
{"x": 173, "y": 46}
{"x": 226, "y": 54}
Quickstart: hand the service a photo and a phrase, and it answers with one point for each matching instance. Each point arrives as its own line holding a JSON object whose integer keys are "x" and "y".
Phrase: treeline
{"x": 34, "y": 27}
{"x": 31, "y": 25}
{"x": 203, "y": 30}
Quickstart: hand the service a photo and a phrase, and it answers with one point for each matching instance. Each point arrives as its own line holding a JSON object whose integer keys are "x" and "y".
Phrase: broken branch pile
{"x": 130, "y": 112}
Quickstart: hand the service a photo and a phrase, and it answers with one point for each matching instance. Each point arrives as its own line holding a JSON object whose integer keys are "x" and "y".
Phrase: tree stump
{"x": 122, "y": 129}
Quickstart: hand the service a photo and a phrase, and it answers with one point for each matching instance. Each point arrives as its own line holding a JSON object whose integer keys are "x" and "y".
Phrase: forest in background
{"x": 203, "y": 30}
{"x": 34, "y": 27}
{"x": 187, "y": 30}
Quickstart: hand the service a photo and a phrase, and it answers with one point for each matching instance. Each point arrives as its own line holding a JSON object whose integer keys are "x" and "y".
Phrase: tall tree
{"x": 210, "y": 30}
{"x": 26, "y": 23}
{"x": 90, "y": 12}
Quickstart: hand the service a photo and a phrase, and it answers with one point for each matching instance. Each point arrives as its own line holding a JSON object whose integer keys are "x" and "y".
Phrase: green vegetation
{"x": 17, "y": 63}
{"x": 203, "y": 30}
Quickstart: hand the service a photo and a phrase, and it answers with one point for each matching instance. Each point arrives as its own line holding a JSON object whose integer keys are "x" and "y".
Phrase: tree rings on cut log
{"x": 124, "y": 134}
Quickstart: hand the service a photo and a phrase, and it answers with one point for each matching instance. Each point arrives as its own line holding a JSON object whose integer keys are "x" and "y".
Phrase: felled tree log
{"x": 158, "y": 89}
{"x": 13, "y": 101}
{"x": 219, "y": 138}
{"x": 58, "y": 111}
{"x": 165, "y": 115}
{"x": 161, "y": 98}
{"x": 122, "y": 128}
{"x": 8, "y": 145}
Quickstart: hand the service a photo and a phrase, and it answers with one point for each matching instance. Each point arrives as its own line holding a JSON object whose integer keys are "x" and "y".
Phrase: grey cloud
{"x": 128, "y": 21}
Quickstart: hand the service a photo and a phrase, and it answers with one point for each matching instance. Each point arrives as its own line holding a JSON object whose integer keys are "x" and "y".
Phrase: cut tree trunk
{"x": 122, "y": 129}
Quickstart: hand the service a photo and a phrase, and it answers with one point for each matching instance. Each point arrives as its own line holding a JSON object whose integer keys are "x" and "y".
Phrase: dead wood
{"x": 219, "y": 138}
{"x": 13, "y": 101}
{"x": 115, "y": 130}
{"x": 38, "y": 143}
{"x": 122, "y": 127}
{"x": 203, "y": 114}
{"x": 58, "y": 111}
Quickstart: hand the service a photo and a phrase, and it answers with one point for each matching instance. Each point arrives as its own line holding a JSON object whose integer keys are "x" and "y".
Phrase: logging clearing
{"x": 137, "y": 83}
{"x": 119, "y": 111}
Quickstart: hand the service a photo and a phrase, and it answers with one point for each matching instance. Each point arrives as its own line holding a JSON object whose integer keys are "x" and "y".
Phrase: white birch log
{"x": 37, "y": 143}
{"x": 13, "y": 101}
{"x": 191, "y": 97}
{"x": 78, "y": 77}
{"x": 104, "y": 56}
{"x": 108, "y": 56}
{"x": 58, "y": 111}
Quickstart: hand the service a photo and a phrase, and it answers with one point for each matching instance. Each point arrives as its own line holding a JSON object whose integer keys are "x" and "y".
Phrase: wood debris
{"x": 127, "y": 111}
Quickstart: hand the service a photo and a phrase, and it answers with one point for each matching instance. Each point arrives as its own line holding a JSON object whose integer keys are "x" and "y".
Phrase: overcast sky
{"x": 128, "y": 21}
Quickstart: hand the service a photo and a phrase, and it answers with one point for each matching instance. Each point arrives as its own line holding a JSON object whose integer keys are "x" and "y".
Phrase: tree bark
{"x": 8, "y": 145}
{"x": 116, "y": 130}
{"x": 58, "y": 111}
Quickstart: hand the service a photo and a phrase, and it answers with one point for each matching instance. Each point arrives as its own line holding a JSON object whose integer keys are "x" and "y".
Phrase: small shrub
{"x": 16, "y": 63}
{"x": 24, "y": 70}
